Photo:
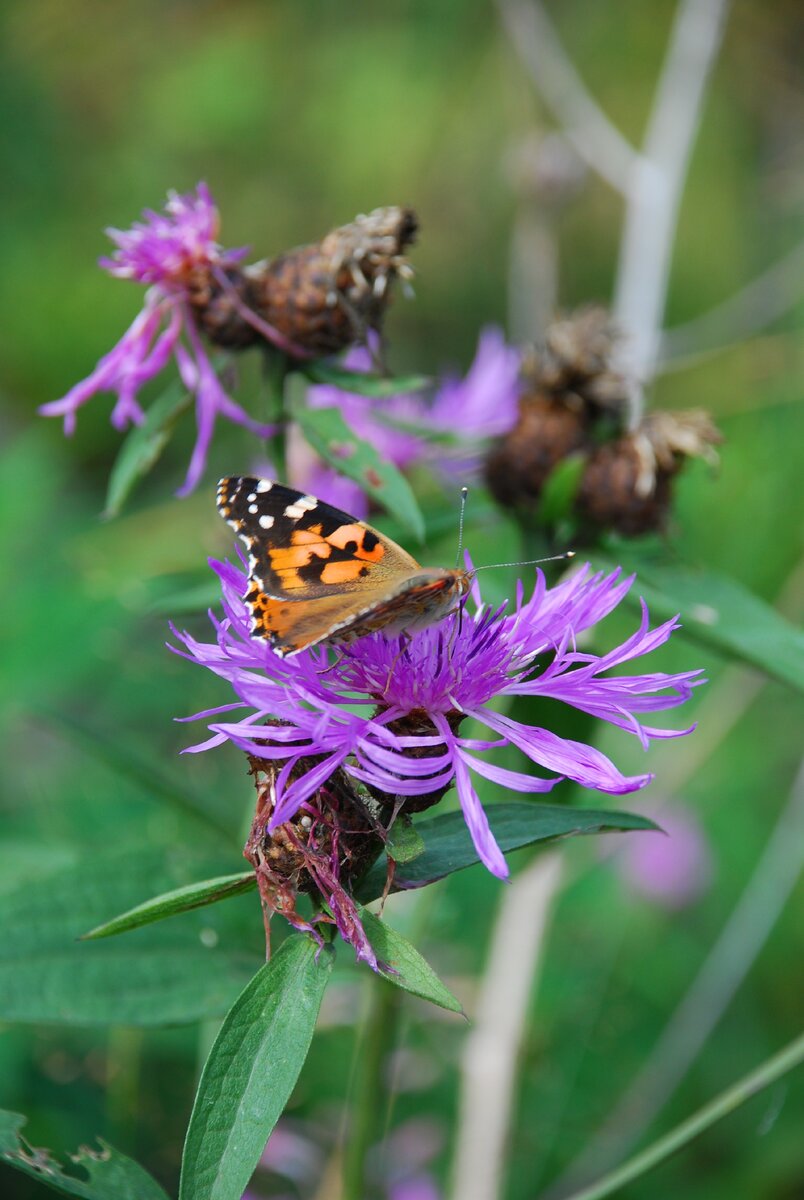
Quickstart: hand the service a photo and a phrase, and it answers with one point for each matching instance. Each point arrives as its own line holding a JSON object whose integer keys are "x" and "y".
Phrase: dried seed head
{"x": 219, "y": 299}
{"x": 627, "y": 483}
{"x": 571, "y": 391}
{"x": 546, "y": 432}
{"x": 325, "y": 296}
{"x": 575, "y": 363}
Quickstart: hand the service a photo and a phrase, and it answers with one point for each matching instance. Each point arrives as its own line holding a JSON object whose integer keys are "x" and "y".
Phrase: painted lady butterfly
{"x": 318, "y": 575}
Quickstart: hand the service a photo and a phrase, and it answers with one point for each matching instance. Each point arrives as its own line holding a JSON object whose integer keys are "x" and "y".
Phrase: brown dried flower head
{"x": 570, "y": 388}
{"x": 627, "y": 483}
{"x": 327, "y": 845}
{"x": 314, "y": 300}
{"x": 327, "y": 295}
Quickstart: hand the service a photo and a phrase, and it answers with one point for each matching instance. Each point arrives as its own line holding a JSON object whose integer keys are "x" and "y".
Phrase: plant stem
{"x": 275, "y": 372}
{"x": 771, "y": 1070}
{"x": 378, "y": 1037}
{"x": 654, "y": 194}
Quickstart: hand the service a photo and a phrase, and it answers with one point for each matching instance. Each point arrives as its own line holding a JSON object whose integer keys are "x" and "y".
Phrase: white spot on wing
{"x": 266, "y": 521}
{"x": 252, "y": 508}
{"x": 264, "y": 485}
{"x": 294, "y": 511}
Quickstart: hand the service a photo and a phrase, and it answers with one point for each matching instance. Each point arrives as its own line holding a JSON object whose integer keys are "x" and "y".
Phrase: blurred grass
{"x": 300, "y": 116}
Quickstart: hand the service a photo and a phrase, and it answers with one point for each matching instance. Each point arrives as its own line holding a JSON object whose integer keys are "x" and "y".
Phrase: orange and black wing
{"x": 300, "y": 548}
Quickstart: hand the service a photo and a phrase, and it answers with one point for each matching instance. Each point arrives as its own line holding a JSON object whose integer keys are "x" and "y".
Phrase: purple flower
{"x": 371, "y": 419}
{"x": 170, "y": 252}
{"x": 384, "y": 699}
{"x": 672, "y": 868}
{"x": 482, "y": 405}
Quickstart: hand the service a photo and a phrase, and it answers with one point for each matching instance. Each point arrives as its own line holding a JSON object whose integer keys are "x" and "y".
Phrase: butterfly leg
{"x": 405, "y": 640}
{"x": 339, "y": 657}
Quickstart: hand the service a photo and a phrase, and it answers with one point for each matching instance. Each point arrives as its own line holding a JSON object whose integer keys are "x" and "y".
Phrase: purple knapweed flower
{"x": 481, "y": 405}
{"x": 673, "y": 868}
{"x": 371, "y": 418}
{"x": 384, "y": 701}
{"x": 170, "y": 252}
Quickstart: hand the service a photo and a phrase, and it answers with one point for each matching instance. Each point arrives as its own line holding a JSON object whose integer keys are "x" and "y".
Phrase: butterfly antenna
{"x": 464, "y": 494}
{"x": 528, "y": 562}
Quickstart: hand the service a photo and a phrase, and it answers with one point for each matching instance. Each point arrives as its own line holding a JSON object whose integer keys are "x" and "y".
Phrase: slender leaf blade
{"x": 448, "y": 846}
{"x": 169, "y": 904}
{"x": 328, "y": 434}
{"x": 364, "y": 383}
{"x": 143, "y": 446}
{"x": 252, "y": 1070}
{"x": 110, "y": 1175}
{"x": 408, "y": 969}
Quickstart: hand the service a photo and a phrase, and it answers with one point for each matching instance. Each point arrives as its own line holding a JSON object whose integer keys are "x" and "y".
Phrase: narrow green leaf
{"x": 724, "y": 1104}
{"x": 363, "y": 383}
{"x": 448, "y": 846}
{"x": 143, "y": 446}
{"x": 409, "y": 970}
{"x": 559, "y": 490}
{"x": 183, "y": 899}
{"x": 328, "y": 434}
{"x": 252, "y": 1070}
{"x": 170, "y": 973}
{"x": 102, "y": 1174}
{"x": 719, "y": 612}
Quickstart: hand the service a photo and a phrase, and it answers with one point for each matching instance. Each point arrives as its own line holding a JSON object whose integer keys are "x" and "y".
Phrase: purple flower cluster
{"x": 351, "y": 714}
{"x": 166, "y": 251}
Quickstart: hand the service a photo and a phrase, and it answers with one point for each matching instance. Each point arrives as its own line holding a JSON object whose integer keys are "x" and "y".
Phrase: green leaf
{"x": 448, "y": 846}
{"x": 328, "y": 434}
{"x": 409, "y": 970}
{"x": 252, "y": 1070}
{"x": 404, "y": 842}
{"x": 194, "y": 895}
{"x": 362, "y": 383}
{"x": 719, "y": 612}
{"x": 137, "y": 769}
{"x": 103, "y": 1174}
{"x": 559, "y": 490}
{"x": 143, "y": 446}
{"x": 170, "y": 973}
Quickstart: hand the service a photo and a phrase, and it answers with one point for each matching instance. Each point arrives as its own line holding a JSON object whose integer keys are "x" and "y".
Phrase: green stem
{"x": 721, "y": 1106}
{"x": 275, "y": 373}
{"x": 368, "y": 1106}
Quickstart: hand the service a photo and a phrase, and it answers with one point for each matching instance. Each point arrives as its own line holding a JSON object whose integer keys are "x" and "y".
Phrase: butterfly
{"x": 318, "y": 575}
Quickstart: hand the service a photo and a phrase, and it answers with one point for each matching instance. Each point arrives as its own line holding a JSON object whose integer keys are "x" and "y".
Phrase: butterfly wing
{"x": 292, "y": 626}
{"x": 302, "y": 549}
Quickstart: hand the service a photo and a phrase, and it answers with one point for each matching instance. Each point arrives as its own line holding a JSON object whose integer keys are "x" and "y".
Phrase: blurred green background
{"x": 299, "y": 116}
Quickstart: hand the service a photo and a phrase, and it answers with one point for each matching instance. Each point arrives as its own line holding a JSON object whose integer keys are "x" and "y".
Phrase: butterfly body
{"x": 317, "y": 574}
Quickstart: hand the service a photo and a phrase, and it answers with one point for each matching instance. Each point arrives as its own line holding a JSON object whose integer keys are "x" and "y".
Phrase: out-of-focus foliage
{"x": 300, "y": 116}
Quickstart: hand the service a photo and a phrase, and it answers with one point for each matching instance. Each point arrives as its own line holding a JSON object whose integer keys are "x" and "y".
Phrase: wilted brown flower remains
{"x": 575, "y": 403}
{"x": 318, "y": 298}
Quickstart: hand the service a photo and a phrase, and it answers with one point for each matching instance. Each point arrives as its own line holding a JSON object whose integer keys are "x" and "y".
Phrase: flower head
{"x": 388, "y": 712}
{"x": 673, "y": 866}
{"x": 175, "y": 252}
